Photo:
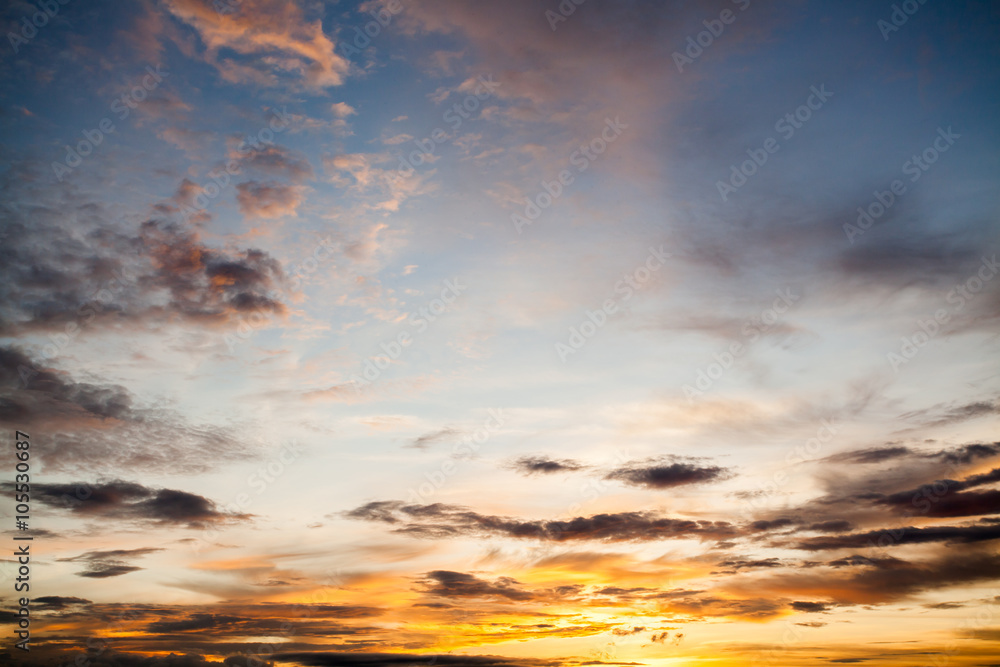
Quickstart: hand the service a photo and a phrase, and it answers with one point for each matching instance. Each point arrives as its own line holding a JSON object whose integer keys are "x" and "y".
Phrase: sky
{"x": 528, "y": 333}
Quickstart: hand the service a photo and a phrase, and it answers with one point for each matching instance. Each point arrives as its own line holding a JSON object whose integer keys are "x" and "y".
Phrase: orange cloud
{"x": 274, "y": 36}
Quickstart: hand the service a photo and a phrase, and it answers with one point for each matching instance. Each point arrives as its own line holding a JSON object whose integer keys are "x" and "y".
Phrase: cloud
{"x": 871, "y": 455}
{"x": 99, "y": 427}
{"x": 129, "y": 501}
{"x": 948, "y": 498}
{"x": 267, "y": 200}
{"x": 397, "y": 139}
{"x": 966, "y": 454}
{"x": 832, "y": 526}
{"x": 265, "y": 42}
{"x": 968, "y": 534}
{"x": 111, "y": 658}
{"x": 67, "y": 269}
{"x": 104, "y": 570}
{"x": 535, "y": 465}
{"x": 442, "y": 521}
{"x": 275, "y": 161}
{"x": 342, "y": 109}
{"x": 878, "y": 581}
{"x": 810, "y": 607}
{"x": 49, "y": 392}
{"x": 444, "y": 583}
{"x": 662, "y": 475}
{"x": 735, "y": 565}
{"x": 765, "y": 525}
{"x": 961, "y": 455}
{"x": 947, "y": 415}
{"x": 194, "y": 622}
{"x": 714, "y": 606}
{"x": 382, "y": 188}
{"x": 358, "y": 659}
{"x": 434, "y": 437}
{"x": 57, "y": 602}
{"x": 105, "y": 564}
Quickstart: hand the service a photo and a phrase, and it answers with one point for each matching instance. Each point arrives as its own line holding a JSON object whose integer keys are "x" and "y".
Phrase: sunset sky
{"x": 502, "y": 333}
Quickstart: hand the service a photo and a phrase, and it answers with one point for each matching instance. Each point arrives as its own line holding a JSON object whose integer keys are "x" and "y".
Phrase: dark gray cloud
{"x": 733, "y": 566}
{"x": 906, "y": 483}
{"x": 907, "y": 535}
{"x": 50, "y": 392}
{"x": 666, "y": 475}
{"x": 101, "y": 570}
{"x": 444, "y": 583}
{"x": 765, "y": 525}
{"x": 65, "y": 267}
{"x": 112, "y": 658}
{"x": 944, "y": 415}
{"x": 871, "y": 455}
{"x": 948, "y": 497}
{"x": 105, "y": 564}
{"x": 713, "y": 606}
{"x": 945, "y": 605}
{"x": 57, "y": 602}
{"x": 967, "y": 454}
{"x": 407, "y": 660}
{"x": 857, "y": 560}
{"x": 544, "y": 465}
{"x": 104, "y": 427}
{"x": 121, "y": 500}
{"x": 881, "y": 580}
{"x": 833, "y": 526}
{"x": 443, "y": 521}
{"x": 961, "y": 455}
{"x": 434, "y": 437}
{"x": 810, "y": 607}
{"x": 194, "y": 622}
